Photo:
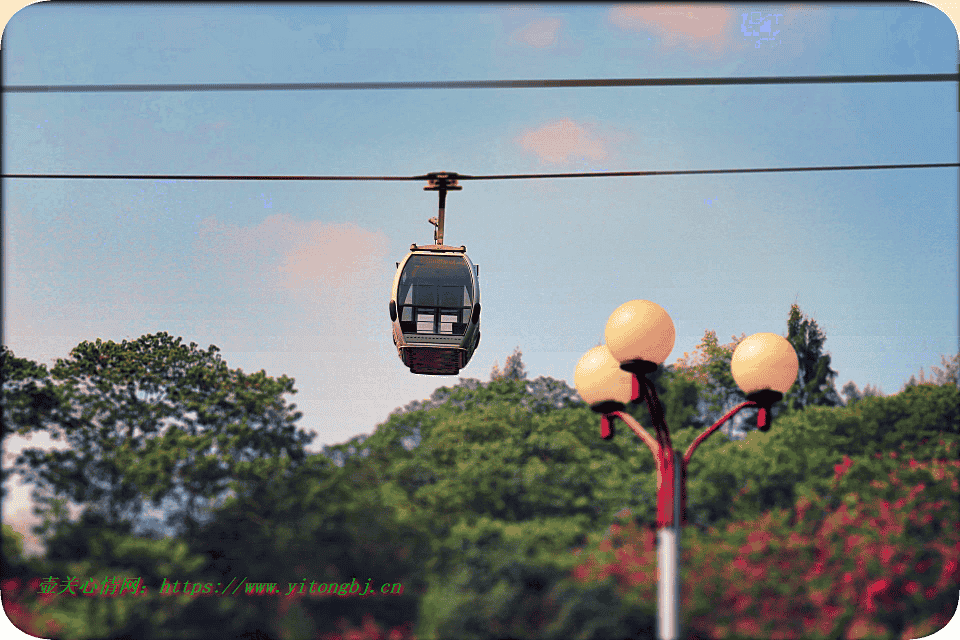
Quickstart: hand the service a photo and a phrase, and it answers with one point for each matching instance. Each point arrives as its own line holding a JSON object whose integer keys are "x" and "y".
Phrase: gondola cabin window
{"x": 435, "y": 295}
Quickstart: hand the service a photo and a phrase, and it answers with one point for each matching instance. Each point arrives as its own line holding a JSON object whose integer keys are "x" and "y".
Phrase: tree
{"x": 505, "y": 476}
{"x": 814, "y": 385}
{"x": 156, "y": 420}
{"x": 950, "y": 374}
{"x": 853, "y": 395}
{"x": 510, "y": 489}
{"x": 908, "y": 418}
{"x": 550, "y": 394}
{"x": 513, "y": 368}
{"x": 28, "y": 397}
{"x": 322, "y": 523}
{"x": 709, "y": 367}
{"x": 947, "y": 375}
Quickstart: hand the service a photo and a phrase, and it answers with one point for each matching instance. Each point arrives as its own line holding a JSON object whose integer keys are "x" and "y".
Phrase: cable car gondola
{"x": 435, "y": 302}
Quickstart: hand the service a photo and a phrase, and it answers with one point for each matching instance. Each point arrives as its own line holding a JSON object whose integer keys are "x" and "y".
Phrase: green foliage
{"x": 474, "y": 500}
{"x": 113, "y": 559}
{"x": 498, "y": 588}
{"x": 815, "y": 379}
{"x": 766, "y": 466}
{"x": 28, "y": 397}
{"x": 853, "y": 395}
{"x": 680, "y": 397}
{"x": 323, "y": 523}
{"x": 801, "y": 448}
{"x": 918, "y": 412}
{"x": 16, "y": 565}
{"x": 512, "y": 465}
{"x": 41, "y": 590}
{"x": 709, "y": 367}
{"x": 12, "y": 550}
{"x": 505, "y": 477}
{"x": 154, "y": 419}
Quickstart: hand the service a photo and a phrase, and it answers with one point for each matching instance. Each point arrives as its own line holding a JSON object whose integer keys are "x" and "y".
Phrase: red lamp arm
{"x": 639, "y": 430}
{"x": 719, "y": 423}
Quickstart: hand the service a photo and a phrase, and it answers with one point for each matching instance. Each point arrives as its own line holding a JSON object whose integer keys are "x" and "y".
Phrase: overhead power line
{"x": 479, "y": 84}
{"x": 520, "y": 176}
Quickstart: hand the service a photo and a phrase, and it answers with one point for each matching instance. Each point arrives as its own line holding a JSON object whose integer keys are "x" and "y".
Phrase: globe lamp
{"x": 600, "y": 381}
{"x": 640, "y": 335}
{"x": 764, "y": 366}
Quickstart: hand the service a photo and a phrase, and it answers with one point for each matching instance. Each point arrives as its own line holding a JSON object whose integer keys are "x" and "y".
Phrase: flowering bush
{"x": 877, "y": 558}
{"x": 24, "y": 608}
{"x": 370, "y": 630}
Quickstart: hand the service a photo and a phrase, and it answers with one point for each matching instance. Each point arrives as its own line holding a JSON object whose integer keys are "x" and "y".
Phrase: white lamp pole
{"x": 668, "y": 561}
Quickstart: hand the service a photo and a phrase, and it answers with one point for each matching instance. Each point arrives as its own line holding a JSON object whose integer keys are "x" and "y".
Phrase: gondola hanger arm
{"x": 442, "y": 182}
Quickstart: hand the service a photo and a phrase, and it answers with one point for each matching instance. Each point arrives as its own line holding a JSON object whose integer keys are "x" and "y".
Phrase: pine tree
{"x": 815, "y": 379}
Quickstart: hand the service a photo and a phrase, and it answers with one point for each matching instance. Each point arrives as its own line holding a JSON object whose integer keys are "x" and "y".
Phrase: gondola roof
{"x": 438, "y": 248}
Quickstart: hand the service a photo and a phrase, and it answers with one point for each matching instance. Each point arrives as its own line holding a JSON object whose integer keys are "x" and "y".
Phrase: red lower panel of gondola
{"x": 433, "y": 361}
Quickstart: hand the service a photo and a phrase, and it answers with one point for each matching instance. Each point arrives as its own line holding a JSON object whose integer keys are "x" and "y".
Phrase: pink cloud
{"x": 285, "y": 285}
{"x": 560, "y": 141}
{"x": 694, "y": 26}
{"x": 531, "y": 32}
{"x": 334, "y": 255}
{"x": 282, "y": 253}
{"x": 540, "y": 34}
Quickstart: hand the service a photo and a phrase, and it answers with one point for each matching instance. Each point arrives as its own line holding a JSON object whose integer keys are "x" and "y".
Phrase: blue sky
{"x": 294, "y": 278}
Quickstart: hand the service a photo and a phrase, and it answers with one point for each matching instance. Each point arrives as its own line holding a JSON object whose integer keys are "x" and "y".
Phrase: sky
{"x": 294, "y": 277}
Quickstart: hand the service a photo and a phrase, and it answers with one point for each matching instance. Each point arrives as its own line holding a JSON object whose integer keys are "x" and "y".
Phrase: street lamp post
{"x": 640, "y": 335}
